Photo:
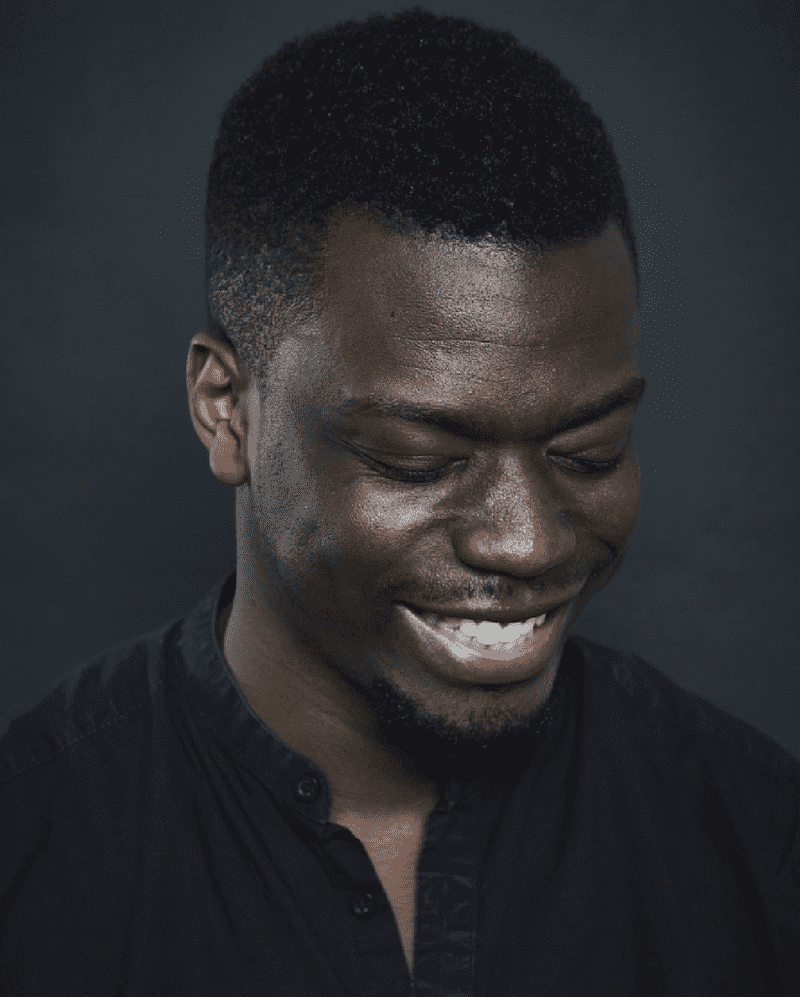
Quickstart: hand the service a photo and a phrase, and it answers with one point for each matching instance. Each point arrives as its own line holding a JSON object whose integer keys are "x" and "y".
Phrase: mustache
{"x": 501, "y": 588}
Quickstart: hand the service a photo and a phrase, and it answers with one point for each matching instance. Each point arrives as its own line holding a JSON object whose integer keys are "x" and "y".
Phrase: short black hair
{"x": 431, "y": 123}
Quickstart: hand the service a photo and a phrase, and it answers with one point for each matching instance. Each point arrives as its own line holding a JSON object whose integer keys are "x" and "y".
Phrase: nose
{"x": 513, "y": 523}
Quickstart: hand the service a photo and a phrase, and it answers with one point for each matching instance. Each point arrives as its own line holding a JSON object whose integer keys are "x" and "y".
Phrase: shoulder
{"x": 86, "y": 703}
{"x": 666, "y": 737}
{"x": 658, "y": 705}
{"x": 73, "y": 766}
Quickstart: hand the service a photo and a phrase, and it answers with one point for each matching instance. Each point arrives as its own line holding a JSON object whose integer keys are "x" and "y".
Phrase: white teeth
{"x": 485, "y": 631}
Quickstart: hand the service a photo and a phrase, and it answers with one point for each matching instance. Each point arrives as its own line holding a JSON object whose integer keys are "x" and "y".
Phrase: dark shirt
{"x": 157, "y": 839}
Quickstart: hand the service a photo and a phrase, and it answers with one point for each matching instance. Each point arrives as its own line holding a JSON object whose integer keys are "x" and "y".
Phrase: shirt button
{"x": 307, "y": 789}
{"x": 362, "y": 904}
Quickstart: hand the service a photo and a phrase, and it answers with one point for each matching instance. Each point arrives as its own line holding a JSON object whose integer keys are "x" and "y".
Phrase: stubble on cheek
{"x": 308, "y": 565}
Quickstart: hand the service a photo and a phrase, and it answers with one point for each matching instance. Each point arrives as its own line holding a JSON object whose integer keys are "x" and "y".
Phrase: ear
{"x": 216, "y": 386}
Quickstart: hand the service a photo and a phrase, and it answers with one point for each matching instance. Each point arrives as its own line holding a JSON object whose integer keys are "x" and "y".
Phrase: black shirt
{"x": 157, "y": 839}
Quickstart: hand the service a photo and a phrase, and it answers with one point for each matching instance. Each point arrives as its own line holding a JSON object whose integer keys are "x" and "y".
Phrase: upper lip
{"x": 493, "y": 615}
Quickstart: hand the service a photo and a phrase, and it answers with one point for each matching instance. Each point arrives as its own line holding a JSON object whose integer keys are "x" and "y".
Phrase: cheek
{"x": 605, "y": 508}
{"x": 311, "y": 513}
{"x": 614, "y": 505}
{"x": 286, "y": 496}
{"x": 381, "y": 518}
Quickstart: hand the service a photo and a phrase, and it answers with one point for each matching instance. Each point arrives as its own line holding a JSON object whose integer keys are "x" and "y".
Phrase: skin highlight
{"x": 342, "y": 518}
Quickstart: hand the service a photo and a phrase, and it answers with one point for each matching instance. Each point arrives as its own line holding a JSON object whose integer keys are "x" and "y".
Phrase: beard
{"x": 442, "y": 746}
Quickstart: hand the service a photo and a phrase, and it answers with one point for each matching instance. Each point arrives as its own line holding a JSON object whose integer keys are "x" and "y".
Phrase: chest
{"x": 394, "y": 847}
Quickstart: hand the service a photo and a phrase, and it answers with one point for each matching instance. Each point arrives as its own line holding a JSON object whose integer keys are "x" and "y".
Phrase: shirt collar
{"x": 215, "y": 703}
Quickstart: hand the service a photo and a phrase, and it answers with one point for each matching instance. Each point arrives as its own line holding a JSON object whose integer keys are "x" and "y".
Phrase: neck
{"x": 319, "y": 714}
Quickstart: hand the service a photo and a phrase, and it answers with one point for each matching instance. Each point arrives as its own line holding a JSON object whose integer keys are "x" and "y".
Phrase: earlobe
{"x": 226, "y": 457}
{"x": 216, "y": 404}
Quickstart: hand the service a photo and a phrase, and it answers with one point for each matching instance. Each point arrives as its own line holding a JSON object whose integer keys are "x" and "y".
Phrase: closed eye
{"x": 581, "y": 465}
{"x": 430, "y": 468}
{"x": 412, "y": 475}
{"x": 577, "y": 465}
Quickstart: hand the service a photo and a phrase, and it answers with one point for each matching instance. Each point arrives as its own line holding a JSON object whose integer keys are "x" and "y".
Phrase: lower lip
{"x": 455, "y": 662}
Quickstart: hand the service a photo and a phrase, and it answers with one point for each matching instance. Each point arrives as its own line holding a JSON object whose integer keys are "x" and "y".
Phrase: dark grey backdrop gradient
{"x": 112, "y": 522}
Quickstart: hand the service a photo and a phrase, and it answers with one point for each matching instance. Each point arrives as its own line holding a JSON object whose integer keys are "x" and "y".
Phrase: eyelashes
{"x": 576, "y": 465}
{"x": 414, "y": 477}
{"x": 593, "y": 467}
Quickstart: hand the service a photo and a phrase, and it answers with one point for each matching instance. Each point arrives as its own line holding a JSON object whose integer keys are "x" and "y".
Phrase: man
{"x": 373, "y": 760}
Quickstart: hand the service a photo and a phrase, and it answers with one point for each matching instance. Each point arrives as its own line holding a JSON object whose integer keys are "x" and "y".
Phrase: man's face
{"x": 413, "y": 473}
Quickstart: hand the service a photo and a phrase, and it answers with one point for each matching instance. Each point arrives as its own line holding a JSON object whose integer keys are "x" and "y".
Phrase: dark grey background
{"x": 112, "y": 521}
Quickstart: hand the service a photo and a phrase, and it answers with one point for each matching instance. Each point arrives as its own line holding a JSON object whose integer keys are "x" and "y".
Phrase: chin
{"x": 497, "y": 720}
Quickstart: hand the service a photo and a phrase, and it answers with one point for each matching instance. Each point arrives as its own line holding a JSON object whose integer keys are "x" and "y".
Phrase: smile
{"x": 485, "y": 633}
{"x": 468, "y": 651}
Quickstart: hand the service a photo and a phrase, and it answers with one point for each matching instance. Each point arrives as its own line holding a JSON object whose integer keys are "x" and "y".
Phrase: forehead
{"x": 364, "y": 264}
{"x": 438, "y": 320}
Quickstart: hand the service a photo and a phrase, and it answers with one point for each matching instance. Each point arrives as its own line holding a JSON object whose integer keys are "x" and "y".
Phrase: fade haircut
{"x": 435, "y": 125}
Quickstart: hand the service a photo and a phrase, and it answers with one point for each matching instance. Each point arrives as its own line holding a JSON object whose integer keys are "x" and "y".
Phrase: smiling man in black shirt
{"x": 373, "y": 761}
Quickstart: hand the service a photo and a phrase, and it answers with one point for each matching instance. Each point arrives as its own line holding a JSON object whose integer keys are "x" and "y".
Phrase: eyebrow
{"x": 457, "y": 424}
